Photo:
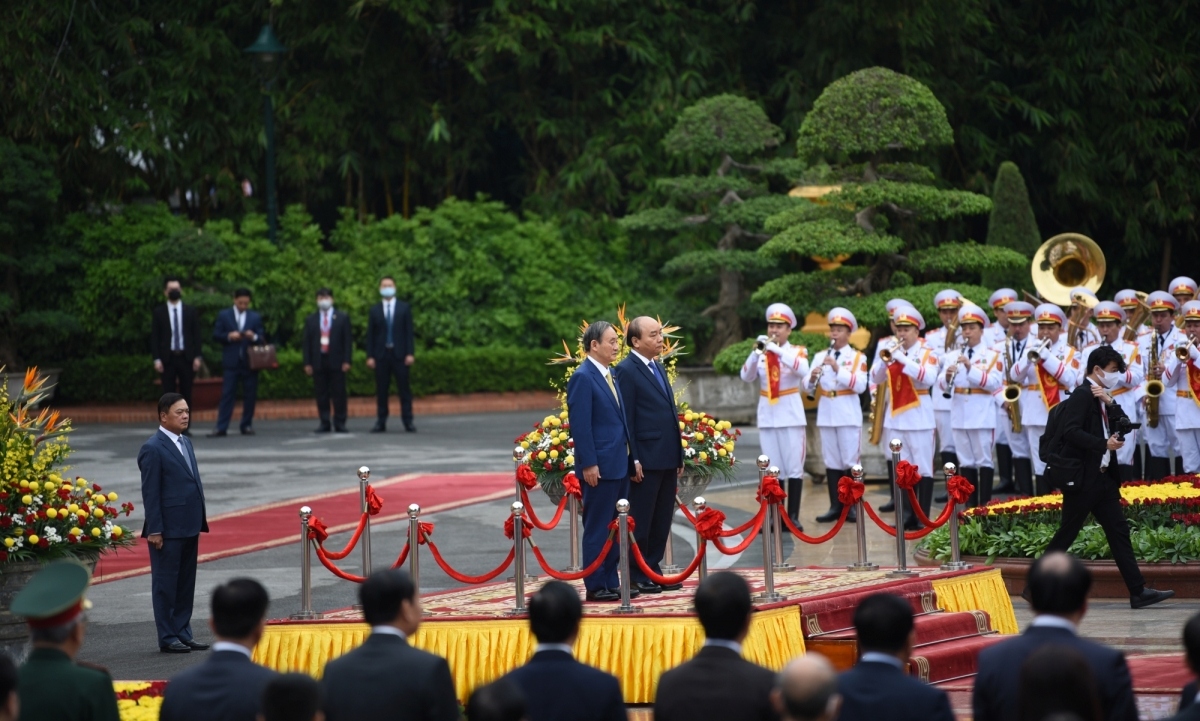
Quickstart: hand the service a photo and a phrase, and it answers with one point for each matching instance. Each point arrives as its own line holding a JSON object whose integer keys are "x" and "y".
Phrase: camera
{"x": 1121, "y": 425}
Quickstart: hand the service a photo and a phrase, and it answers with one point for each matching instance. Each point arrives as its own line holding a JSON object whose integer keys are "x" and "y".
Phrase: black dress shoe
{"x": 410, "y": 428}
{"x": 602, "y": 595}
{"x": 176, "y": 647}
{"x": 341, "y": 429}
{"x": 216, "y": 434}
{"x": 379, "y": 427}
{"x": 829, "y": 516}
{"x": 1006, "y": 488}
{"x": 1149, "y": 597}
{"x": 671, "y": 586}
{"x": 195, "y": 645}
{"x": 647, "y": 587}
{"x": 889, "y": 507}
{"x": 247, "y": 431}
{"x": 633, "y": 592}
{"x": 322, "y": 429}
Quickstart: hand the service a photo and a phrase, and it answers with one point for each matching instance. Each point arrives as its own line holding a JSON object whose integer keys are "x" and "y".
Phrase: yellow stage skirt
{"x": 637, "y": 650}
{"x": 981, "y": 591}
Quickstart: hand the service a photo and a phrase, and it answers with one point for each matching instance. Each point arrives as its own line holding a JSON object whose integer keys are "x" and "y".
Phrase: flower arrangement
{"x": 139, "y": 700}
{"x": 42, "y": 514}
{"x": 707, "y": 442}
{"x": 1164, "y": 517}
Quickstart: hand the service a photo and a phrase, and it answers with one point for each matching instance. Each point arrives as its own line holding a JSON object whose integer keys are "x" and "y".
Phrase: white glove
{"x": 1193, "y": 352}
{"x": 1044, "y": 353}
{"x": 774, "y": 347}
{"x": 762, "y": 339}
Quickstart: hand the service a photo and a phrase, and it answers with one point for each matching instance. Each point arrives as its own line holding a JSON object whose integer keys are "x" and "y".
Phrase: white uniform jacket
{"x": 837, "y": 391}
{"x": 788, "y": 409}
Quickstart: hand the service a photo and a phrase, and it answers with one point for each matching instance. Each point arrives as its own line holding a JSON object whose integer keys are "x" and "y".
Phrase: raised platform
{"x": 470, "y": 627}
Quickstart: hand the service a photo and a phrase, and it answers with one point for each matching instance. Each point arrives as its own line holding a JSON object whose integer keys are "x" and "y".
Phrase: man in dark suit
{"x": 237, "y": 329}
{"x": 292, "y": 697}
{"x": 173, "y": 501}
{"x": 390, "y": 349}
{"x": 807, "y": 690}
{"x": 228, "y": 686}
{"x": 653, "y": 422}
{"x": 879, "y": 685}
{"x": 1084, "y": 465}
{"x": 327, "y": 351}
{"x": 718, "y": 683}
{"x": 175, "y": 341}
{"x": 1058, "y": 589}
{"x": 556, "y": 687}
{"x": 386, "y": 678}
{"x": 598, "y": 428}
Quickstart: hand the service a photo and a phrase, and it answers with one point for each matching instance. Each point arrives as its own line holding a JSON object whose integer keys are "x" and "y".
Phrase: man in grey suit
{"x": 386, "y": 678}
{"x": 173, "y": 500}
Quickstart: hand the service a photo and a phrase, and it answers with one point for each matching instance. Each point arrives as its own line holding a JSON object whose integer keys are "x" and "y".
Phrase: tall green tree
{"x": 1011, "y": 225}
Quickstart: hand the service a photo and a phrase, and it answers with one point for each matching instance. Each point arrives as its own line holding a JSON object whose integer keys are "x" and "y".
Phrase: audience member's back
{"x": 555, "y": 686}
{"x": 1057, "y": 680}
{"x": 292, "y": 697}
{"x": 718, "y": 683}
{"x": 497, "y": 701}
{"x": 879, "y": 686}
{"x": 1189, "y": 710}
{"x": 386, "y": 678}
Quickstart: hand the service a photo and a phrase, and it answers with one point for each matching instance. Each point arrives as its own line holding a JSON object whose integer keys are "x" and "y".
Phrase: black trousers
{"x": 387, "y": 367}
{"x": 173, "y": 588}
{"x": 652, "y": 505}
{"x": 1102, "y": 499}
{"x": 329, "y": 385}
{"x": 177, "y": 376}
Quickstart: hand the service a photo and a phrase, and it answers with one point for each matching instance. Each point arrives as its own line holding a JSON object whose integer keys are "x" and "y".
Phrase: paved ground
{"x": 285, "y": 460}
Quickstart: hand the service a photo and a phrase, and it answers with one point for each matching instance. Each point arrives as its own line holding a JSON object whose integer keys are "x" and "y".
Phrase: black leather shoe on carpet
{"x": 602, "y": 596}
{"x": 196, "y": 645}
{"x": 648, "y": 587}
{"x": 379, "y": 428}
{"x": 889, "y": 507}
{"x": 1149, "y": 597}
{"x": 672, "y": 586}
{"x": 176, "y": 647}
{"x": 216, "y": 434}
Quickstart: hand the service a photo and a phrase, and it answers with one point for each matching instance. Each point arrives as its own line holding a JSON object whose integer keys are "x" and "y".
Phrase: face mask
{"x": 173, "y": 294}
{"x": 324, "y": 304}
{"x": 1110, "y": 380}
{"x": 387, "y": 292}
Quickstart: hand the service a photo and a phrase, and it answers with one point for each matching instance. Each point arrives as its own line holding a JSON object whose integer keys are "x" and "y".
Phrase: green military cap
{"x": 54, "y": 596}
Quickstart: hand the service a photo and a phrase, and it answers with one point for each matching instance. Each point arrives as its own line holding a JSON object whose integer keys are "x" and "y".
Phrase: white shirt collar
{"x": 236, "y": 311}
{"x": 878, "y": 657}
{"x": 173, "y": 436}
{"x": 565, "y": 648}
{"x": 603, "y": 368}
{"x": 642, "y": 358}
{"x": 1048, "y": 621}
{"x": 724, "y": 643}
{"x": 173, "y": 304}
{"x": 389, "y": 631}
{"x": 231, "y": 646}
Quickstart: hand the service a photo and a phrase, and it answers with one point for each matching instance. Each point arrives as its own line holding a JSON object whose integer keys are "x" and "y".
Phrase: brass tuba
{"x": 1135, "y": 320}
{"x": 1064, "y": 262}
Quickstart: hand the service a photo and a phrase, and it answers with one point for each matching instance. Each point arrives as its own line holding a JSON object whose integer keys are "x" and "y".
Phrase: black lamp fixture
{"x": 269, "y": 53}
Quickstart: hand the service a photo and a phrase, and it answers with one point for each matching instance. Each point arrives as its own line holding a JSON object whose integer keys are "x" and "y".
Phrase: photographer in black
{"x": 1079, "y": 447}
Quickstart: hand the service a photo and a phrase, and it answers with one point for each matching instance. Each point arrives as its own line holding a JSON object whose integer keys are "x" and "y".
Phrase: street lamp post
{"x": 269, "y": 50}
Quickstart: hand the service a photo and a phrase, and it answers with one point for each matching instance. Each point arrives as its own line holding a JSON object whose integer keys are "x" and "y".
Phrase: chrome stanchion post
{"x": 699, "y": 507}
{"x": 518, "y": 459}
{"x": 768, "y": 595}
{"x": 305, "y": 613}
{"x": 573, "y": 522}
{"x": 623, "y": 564}
{"x": 518, "y": 577}
{"x": 955, "y": 563}
{"x": 780, "y": 564}
{"x": 901, "y": 551}
{"x": 414, "y": 543}
{"x": 364, "y": 474}
{"x": 856, "y": 472}
{"x": 668, "y": 566}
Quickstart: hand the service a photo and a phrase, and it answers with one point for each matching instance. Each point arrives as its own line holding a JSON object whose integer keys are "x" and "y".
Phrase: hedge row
{"x": 118, "y": 378}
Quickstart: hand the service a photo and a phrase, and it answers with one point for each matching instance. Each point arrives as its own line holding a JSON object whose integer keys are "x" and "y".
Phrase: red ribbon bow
{"x": 907, "y": 475}
{"x": 526, "y": 528}
{"x": 374, "y": 502}
{"x": 709, "y": 524}
{"x": 616, "y": 524}
{"x": 526, "y": 477}
{"x": 426, "y": 529}
{"x": 849, "y": 490}
{"x": 317, "y": 529}
{"x": 959, "y": 489}
{"x": 571, "y": 486}
{"x": 770, "y": 491}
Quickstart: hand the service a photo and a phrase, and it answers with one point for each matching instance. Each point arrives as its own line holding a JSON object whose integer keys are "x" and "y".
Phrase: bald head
{"x": 1059, "y": 585}
{"x": 807, "y": 690}
{"x": 644, "y": 335}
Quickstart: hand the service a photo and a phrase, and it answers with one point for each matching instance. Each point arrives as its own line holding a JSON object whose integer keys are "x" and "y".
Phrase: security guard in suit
{"x": 908, "y": 376}
{"x": 1110, "y": 319}
{"x": 52, "y": 685}
{"x": 1183, "y": 377}
{"x": 1160, "y": 343}
{"x": 972, "y": 375}
{"x": 838, "y": 376}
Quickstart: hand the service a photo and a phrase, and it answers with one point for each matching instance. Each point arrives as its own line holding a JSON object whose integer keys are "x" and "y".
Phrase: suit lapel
{"x": 608, "y": 392}
{"x": 173, "y": 451}
{"x": 654, "y": 381}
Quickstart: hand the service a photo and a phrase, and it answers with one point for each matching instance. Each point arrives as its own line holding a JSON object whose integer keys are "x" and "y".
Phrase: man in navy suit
{"x": 601, "y": 438}
{"x": 173, "y": 501}
{"x": 390, "y": 352}
{"x": 327, "y": 353}
{"x": 654, "y": 444}
{"x": 1058, "y": 589}
{"x": 228, "y": 686}
{"x": 879, "y": 685}
{"x": 237, "y": 329}
{"x": 556, "y": 686}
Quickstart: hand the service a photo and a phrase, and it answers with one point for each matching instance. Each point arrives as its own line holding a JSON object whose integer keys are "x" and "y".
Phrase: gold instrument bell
{"x": 1064, "y": 262}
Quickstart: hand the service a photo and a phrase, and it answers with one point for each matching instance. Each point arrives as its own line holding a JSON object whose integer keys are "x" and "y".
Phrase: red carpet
{"x": 276, "y": 524}
{"x": 1159, "y": 673}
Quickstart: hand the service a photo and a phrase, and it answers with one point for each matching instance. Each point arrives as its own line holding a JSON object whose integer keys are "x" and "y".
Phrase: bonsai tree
{"x": 885, "y": 213}
{"x": 724, "y": 208}
{"x": 1012, "y": 225}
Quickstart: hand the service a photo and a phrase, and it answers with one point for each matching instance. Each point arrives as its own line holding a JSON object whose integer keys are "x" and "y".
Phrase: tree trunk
{"x": 1164, "y": 273}
{"x": 387, "y": 195}
{"x": 727, "y": 325}
{"x": 407, "y": 181}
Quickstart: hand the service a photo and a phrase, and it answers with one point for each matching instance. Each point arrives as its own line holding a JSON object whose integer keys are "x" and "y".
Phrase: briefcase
{"x": 262, "y": 357}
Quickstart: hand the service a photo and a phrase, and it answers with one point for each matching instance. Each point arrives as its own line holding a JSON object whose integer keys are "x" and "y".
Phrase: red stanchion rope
{"x": 909, "y": 535}
{"x": 318, "y": 531}
{"x": 762, "y": 514}
{"x": 577, "y": 575}
{"x": 335, "y": 570}
{"x": 665, "y": 580}
{"x": 687, "y": 514}
{"x": 461, "y": 578}
{"x": 754, "y": 522}
{"x": 527, "y": 477}
{"x": 535, "y": 521}
{"x": 787, "y": 521}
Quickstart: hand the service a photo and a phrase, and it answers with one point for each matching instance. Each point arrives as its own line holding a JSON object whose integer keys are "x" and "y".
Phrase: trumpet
{"x": 760, "y": 347}
{"x": 1035, "y": 354}
{"x": 1184, "y": 352}
{"x": 887, "y": 354}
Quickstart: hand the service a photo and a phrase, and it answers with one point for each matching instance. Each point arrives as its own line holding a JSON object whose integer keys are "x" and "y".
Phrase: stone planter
{"x": 13, "y": 632}
{"x": 691, "y": 485}
{"x": 1182, "y": 578}
{"x": 15, "y": 381}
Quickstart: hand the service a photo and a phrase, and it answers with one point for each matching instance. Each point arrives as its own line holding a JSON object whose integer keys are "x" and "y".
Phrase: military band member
{"x": 909, "y": 375}
{"x": 1126, "y": 390}
{"x": 947, "y": 302}
{"x": 1086, "y": 334}
{"x": 1048, "y": 377}
{"x": 972, "y": 374}
{"x": 998, "y": 301}
{"x": 780, "y": 369}
{"x": 994, "y": 337}
{"x": 1183, "y": 288}
{"x": 1130, "y": 302}
{"x": 884, "y": 342}
{"x": 838, "y": 376}
{"x": 1183, "y": 378}
{"x": 1019, "y": 314}
{"x": 1159, "y": 427}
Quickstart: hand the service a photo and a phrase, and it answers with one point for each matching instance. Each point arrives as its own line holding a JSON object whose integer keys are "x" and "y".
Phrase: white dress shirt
{"x": 231, "y": 646}
{"x": 175, "y": 438}
{"x": 1048, "y": 621}
{"x": 724, "y": 643}
{"x": 389, "y": 631}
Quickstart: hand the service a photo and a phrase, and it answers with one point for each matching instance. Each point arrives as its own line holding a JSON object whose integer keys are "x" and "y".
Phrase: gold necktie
{"x": 611, "y": 387}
